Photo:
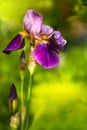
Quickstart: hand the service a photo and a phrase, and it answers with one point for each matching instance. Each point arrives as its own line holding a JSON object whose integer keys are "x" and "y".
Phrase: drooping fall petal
{"x": 47, "y": 30}
{"x": 45, "y": 56}
{"x": 16, "y": 44}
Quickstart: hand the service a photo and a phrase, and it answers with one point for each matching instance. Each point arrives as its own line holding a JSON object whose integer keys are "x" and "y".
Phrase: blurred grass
{"x": 59, "y": 98}
{"x": 62, "y": 106}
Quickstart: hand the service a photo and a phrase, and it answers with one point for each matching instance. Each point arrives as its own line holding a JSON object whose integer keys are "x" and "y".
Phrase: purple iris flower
{"x": 47, "y": 42}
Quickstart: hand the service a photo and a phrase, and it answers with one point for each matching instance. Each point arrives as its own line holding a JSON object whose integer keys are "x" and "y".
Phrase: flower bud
{"x": 14, "y": 121}
{"x": 13, "y": 99}
{"x": 22, "y": 61}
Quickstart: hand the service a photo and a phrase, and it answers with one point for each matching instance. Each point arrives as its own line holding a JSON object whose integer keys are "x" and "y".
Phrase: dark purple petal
{"x": 13, "y": 93}
{"x": 47, "y": 30}
{"x": 59, "y": 38}
{"x": 45, "y": 56}
{"x": 55, "y": 46}
{"x": 16, "y": 44}
{"x": 32, "y": 22}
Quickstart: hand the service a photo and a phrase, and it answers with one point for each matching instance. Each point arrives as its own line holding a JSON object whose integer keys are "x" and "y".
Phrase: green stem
{"x": 26, "y": 121}
{"x": 22, "y": 84}
{"x": 22, "y": 95}
{"x": 13, "y": 129}
{"x": 31, "y": 67}
{"x": 29, "y": 89}
{"x": 29, "y": 94}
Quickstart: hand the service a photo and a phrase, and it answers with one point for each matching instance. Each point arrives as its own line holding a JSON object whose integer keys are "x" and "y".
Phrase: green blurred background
{"x": 59, "y": 98}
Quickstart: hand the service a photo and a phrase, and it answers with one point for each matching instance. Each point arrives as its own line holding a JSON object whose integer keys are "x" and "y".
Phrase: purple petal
{"x": 59, "y": 39}
{"x": 13, "y": 93}
{"x": 57, "y": 42}
{"x": 16, "y": 44}
{"x": 32, "y": 22}
{"x": 47, "y": 30}
{"x": 45, "y": 56}
{"x": 55, "y": 46}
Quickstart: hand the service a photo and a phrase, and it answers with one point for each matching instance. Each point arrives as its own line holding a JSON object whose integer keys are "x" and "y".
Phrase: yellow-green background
{"x": 59, "y": 97}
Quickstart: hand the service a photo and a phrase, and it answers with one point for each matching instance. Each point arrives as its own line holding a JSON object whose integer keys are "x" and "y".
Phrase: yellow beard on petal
{"x": 43, "y": 40}
{"x": 24, "y": 34}
{"x": 35, "y": 41}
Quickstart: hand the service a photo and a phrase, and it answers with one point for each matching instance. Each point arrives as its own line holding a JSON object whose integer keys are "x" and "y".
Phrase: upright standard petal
{"x": 59, "y": 38}
{"x": 45, "y": 56}
{"x": 16, "y": 44}
{"x": 47, "y": 30}
{"x": 58, "y": 41}
{"x": 32, "y": 22}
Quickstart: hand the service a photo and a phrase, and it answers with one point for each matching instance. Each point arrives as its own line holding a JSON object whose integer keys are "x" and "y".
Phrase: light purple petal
{"x": 45, "y": 56}
{"x": 16, "y": 44}
{"x": 47, "y": 30}
{"x": 57, "y": 41}
{"x": 59, "y": 38}
{"x": 32, "y": 22}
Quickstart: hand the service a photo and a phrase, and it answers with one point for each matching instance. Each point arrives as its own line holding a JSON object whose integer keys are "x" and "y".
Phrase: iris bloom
{"x": 47, "y": 43}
